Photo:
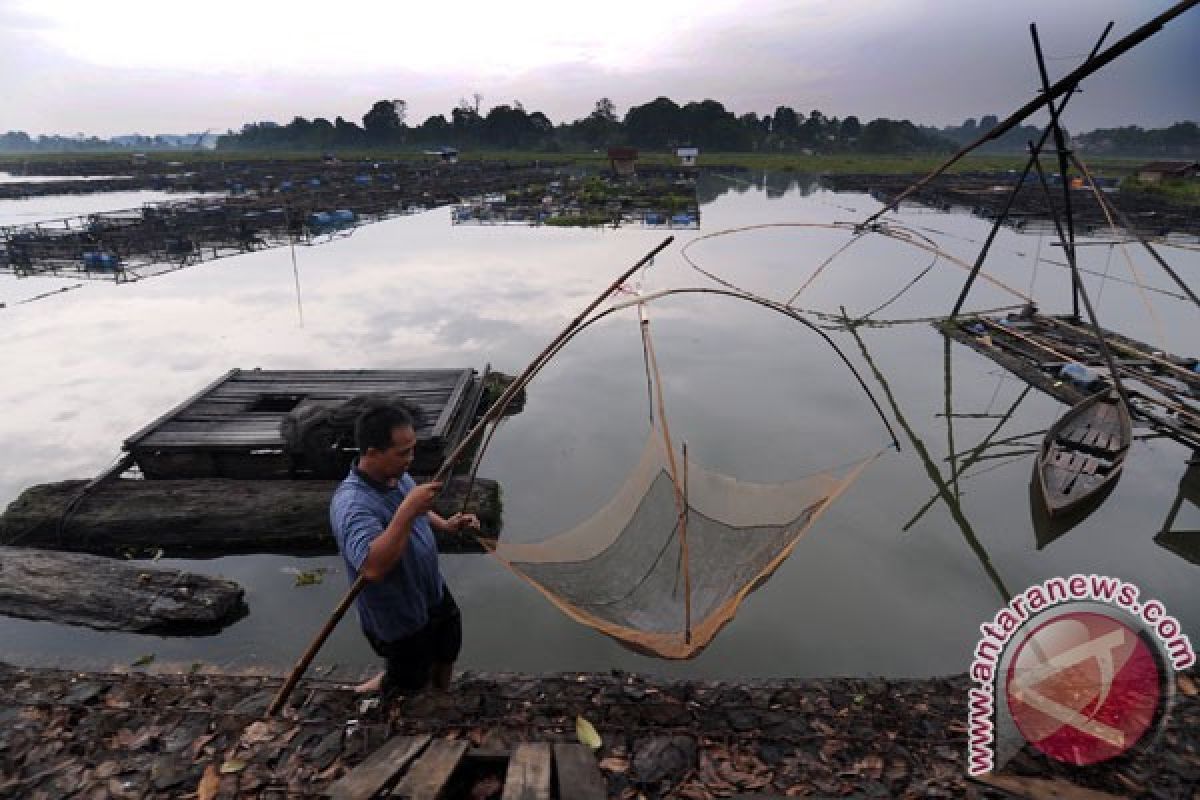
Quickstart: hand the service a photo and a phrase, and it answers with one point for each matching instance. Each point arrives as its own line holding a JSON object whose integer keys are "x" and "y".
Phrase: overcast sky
{"x": 124, "y": 66}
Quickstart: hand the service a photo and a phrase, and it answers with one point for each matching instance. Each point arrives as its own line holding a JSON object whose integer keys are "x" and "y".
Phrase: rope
{"x": 1037, "y": 259}
{"x": 1104, "y": 280}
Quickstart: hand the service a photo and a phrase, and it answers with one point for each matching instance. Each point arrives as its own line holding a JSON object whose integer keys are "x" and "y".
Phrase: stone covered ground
{"x": 134, "y": 735}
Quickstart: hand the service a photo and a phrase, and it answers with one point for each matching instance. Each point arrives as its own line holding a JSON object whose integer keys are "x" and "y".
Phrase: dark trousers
{"x": 410, "y": 660}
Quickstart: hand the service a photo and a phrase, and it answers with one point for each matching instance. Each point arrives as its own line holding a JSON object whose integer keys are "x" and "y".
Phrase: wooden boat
{"x": 1082, "y": 454}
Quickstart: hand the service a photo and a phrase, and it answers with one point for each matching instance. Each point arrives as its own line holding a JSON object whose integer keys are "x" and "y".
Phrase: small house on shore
{"x": 1159, "y": 171}
{"x": 687, "y": 156}
{"x": 447, "y": 155}
{"x": 623, "y": 160}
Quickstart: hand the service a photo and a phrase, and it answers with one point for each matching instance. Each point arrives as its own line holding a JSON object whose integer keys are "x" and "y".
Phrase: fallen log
{"x": 208, "y": 517}
{"x": 109, "y": 594}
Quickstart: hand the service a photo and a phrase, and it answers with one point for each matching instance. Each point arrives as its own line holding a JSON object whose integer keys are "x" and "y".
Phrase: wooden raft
{"x": 231, "y": 428}
{"x": 1164, "y": 388}
{"x": 418, "y": 768}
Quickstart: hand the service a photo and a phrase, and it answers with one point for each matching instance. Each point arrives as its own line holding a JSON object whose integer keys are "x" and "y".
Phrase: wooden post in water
{"x": 495, "y": 411}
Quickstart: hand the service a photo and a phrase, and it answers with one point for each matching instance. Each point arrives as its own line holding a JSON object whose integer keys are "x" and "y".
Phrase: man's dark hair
{"x": 374, "y": 427}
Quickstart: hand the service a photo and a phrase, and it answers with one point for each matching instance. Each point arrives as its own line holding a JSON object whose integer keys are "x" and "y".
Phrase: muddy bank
{"x": 137, "y": 735}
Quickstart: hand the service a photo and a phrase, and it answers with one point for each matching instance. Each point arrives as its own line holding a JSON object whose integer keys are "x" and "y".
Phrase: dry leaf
{"x": 200, "y": 742}
{"x": 232, "y": 765}
{"x": 615, "y": 764}
{"x": 257, "y": 733}
{"x": 871, "y": 766}
{"x": 587, "y": 734}
{"x": 210, "y": 784}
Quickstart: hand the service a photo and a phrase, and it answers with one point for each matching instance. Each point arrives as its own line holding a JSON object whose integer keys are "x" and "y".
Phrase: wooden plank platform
{"x": 443, "y": 769}
{"x": 528, "y": 776}
{"x": 1164, "y": 388}
{"x": 232, "y": 428}
{"x": 427, "y": 778}
{"x": 379, "y": 769}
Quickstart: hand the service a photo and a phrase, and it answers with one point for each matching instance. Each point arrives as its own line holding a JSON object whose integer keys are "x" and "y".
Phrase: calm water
{"x": 754, "y": 395}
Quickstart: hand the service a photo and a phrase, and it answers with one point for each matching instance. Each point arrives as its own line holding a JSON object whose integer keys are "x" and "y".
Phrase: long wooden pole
{"x": 496, "y": 409}
{"x": 1063, "y": 86}
{"x": 1035, "y": 150}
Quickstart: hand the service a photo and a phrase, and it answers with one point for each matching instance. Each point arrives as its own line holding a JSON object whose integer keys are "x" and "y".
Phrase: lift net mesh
{"x": 666, "y": 563}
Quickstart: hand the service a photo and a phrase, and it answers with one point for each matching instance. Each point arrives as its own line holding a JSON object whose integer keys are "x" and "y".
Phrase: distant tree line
{"x": 21, "y": 142}
{"x": 1181, "y": 140}
{"x": 657, "y": 125}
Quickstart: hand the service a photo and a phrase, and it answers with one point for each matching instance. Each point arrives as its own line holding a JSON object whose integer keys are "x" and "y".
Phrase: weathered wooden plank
{"x": 110, "y": 594}
{"x": 577, "y": 776}
{"x": 529, "y": 771}
{"x": 452, "y": 403}
{"x": 346, "y": 374}
{"x": 235, "y": 391}
{"x": 135, "y": 437}
{"x": 212, "y": 515}
{"x": 427, "y": 778}
{"x": 332, "y": 389}
{"x": 379, "y": 769}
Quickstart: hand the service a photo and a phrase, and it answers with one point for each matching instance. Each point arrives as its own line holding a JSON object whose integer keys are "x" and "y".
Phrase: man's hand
{"x": 419, "y": 500}
{"x": 460, "y": 521}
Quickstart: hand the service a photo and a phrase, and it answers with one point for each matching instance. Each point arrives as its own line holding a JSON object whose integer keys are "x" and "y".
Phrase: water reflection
{"x": 754, "y": 397}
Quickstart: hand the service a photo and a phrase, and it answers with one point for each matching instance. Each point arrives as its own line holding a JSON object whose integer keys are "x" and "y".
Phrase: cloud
{"x": 126, "y": 66}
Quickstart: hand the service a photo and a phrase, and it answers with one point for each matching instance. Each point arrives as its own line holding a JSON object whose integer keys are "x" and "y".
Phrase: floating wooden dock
{"x": 232, "y": 428}
{"x": 1164, "y": 389}
{"x": 422, "y": 768}
{"x": 218, "y": 475}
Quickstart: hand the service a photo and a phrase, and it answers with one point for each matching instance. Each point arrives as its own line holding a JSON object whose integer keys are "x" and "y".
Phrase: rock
{"x": 663, "y": 758}
{"x": 167, "y": 772}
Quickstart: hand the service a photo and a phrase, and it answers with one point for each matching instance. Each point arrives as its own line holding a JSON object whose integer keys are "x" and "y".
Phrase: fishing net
{"x": 664, "y": 565}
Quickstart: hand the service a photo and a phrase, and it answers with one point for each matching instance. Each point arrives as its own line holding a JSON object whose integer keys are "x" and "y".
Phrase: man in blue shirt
{"x": 384, "y": 523}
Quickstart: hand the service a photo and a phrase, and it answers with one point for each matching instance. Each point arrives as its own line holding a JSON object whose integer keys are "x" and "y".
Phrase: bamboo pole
{"x": 494, "y": 412}
{"x": 1035, "y": 150}
{"x": 1063, "y": 86}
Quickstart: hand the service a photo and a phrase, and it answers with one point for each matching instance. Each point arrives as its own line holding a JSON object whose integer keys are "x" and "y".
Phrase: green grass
{"x": 1183, "y": 192}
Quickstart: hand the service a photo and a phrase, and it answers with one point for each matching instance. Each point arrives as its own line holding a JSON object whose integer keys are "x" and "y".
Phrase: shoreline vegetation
{"x": 1180, "y": 193}
{"x": 831, "y": 163}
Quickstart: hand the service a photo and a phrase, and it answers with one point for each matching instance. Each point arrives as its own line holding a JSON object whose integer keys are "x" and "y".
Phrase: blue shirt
{"x": 398, "y": 605}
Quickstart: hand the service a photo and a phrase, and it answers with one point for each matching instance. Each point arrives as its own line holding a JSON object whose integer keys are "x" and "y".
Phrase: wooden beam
{"x": 577, "y": 776}
{"x": 529, "y": 771}
{"x": 427, "y": 778}
{"x": 380, "y": 768}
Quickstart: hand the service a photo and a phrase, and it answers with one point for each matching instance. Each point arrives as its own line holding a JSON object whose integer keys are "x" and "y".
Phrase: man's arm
{"x": 389, "y": 546}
